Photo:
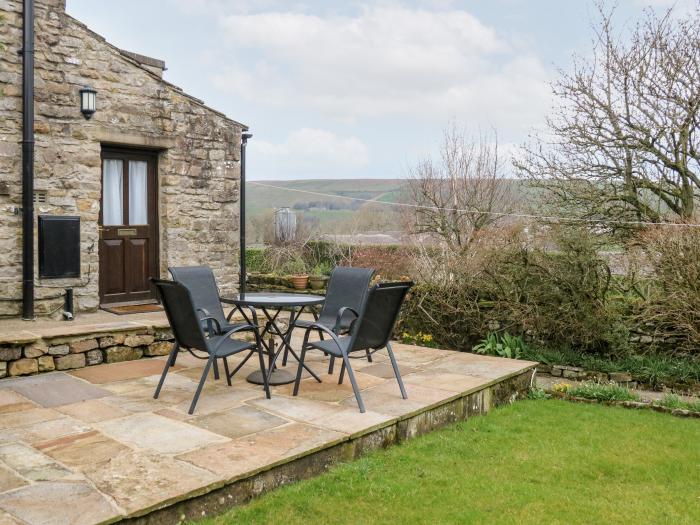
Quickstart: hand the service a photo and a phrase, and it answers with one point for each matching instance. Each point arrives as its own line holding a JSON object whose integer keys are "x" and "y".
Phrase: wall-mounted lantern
{"x": 88, "y": 102}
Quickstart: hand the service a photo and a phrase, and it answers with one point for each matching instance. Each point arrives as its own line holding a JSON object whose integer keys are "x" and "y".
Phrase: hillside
{"x": 326, "y": 214}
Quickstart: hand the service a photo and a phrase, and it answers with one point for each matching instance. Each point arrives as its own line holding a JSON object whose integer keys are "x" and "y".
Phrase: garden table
{"x": 272, "y": 304}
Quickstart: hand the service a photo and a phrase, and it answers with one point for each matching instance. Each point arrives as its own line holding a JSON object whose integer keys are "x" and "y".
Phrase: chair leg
{"x": 216, "y": 370}
{"x": 396, "y": 370}
{"x": 266, "y": 383}
{"x": 228, "y": 374}
{"x": 369, "y": 356}
{"x": 300, "y": 369}
{"x": 331, "y": 365}
{"x": 341, "y": 377}
{"x": 205, "y": 373}
{"x": 170, "y": 362}
{"x": 355, "y": 388}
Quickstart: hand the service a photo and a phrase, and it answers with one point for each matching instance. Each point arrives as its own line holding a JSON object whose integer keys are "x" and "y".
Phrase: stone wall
{"x": 199, "y": 165}
{"x": 69, "y": 352}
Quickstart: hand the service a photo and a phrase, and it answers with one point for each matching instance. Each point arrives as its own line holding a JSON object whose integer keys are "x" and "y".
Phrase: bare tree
{"x": 624, "y": 142}
{"x": 462, "y": 194}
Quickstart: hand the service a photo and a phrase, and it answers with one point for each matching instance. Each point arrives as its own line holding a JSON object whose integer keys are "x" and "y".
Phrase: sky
{"x": 344, "y": 89}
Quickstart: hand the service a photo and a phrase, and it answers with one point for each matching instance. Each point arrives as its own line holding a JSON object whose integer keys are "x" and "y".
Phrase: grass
{"x": 653, "y": 369}
{"x": 603, "y": 392}
{"x": 674, "y": 401}
{"x": 532, "y": 462}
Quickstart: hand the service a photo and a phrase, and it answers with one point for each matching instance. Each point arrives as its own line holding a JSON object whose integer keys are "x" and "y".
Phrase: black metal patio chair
{"x": 189, "y": 334}
{"x": 201, "y": 283}
{"x": 370, "y": 330}
{"x": 347, "y": 287}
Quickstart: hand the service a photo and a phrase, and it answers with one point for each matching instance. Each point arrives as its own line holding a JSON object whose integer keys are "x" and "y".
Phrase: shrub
{"x": 558, "y": 293}
{"x": 671, "y": 312}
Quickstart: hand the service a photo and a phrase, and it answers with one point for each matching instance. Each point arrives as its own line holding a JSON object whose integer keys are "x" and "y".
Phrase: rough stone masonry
{"x": 198, "y": 164}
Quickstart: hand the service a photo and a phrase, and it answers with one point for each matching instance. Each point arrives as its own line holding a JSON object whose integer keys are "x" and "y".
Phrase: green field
{"x": 530, "y": 462}
{"x": 334, "y": 214}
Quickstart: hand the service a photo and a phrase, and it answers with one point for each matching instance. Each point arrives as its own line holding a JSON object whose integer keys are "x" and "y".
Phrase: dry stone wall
{"x": 38, "y": 355}
{"x": 198, "y": 165}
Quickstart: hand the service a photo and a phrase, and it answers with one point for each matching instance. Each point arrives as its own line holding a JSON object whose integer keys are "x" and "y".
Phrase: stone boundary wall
{"x": 62, "y": 352}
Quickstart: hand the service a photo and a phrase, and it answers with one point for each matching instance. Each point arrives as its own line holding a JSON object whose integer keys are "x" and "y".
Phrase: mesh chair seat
{"x": 230, "y": 347}
{"x": 330, "y": 347}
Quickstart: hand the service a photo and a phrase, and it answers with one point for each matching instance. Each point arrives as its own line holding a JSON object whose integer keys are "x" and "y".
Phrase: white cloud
{"x": 385, "y": 60}
{"x": 313, "y": 152}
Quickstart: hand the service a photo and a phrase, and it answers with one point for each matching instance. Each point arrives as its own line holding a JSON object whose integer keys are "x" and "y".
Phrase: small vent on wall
{"x": 40, "y": 197}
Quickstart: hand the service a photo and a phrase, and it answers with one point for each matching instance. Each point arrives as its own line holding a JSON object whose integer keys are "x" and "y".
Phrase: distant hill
{"x": 332, "y": 211}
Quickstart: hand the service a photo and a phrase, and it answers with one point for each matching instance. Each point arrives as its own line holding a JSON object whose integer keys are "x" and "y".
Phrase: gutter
{"x": 27, "y": 53}
{"x": 241, "y": 228}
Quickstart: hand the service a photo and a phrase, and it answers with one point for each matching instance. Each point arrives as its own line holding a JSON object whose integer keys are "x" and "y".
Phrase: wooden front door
{"x": 128, "y": 248}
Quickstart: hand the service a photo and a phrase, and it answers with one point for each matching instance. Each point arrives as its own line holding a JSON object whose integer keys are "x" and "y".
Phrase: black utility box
{"x": 59, "y": 247}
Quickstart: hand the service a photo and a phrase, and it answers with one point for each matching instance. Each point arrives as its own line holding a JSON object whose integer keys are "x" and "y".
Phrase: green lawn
{"x": 531, "y": 462}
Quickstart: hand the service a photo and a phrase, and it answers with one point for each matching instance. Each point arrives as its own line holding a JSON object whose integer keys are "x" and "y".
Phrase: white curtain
{"x": 112, "y": 193}
{"x": 138, "y": 192}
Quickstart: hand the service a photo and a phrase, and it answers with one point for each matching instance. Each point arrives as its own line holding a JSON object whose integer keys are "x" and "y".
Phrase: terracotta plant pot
{"x": 300, "y": 282}
{"x": 317, "y": 282}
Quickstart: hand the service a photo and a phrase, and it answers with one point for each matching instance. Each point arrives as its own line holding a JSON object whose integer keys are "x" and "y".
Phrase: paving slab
{"x": 42, "y": 430}
{"x": 445, "y": 381}
{"x": 11, "y": 401}
{"x": 79, "y": 451}
{"x": 31, "y": 464}
{"x": 27, "y": 417}
{"x": 141, "y": 481}
{"x": 330, "y": 390}
{"x": 238, "y": 422}
{"x": 260, "y": 450}
{"x": 9, "y": 480}
{"x": 79, "y": 504}
{"x": 92, "y": 411}
{"x": 158, "y": 434}
{"x": 54, "y": 389}
{"x": 121, "y": 371}
{"x": 385, "y": 370}
{"x": 297, "y": 408}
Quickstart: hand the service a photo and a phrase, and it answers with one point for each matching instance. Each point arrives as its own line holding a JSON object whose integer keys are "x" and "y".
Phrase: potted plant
{"x": 319, "y": 276}
{"x": 296, "y": 267}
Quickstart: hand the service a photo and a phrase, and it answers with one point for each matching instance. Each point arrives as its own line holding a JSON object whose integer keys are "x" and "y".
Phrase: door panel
{"x": 128, "y": 226}
{"x": 137, "y": 257}
{"x": 113, "y": 250}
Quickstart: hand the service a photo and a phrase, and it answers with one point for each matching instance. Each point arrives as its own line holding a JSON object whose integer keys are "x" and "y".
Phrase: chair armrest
{"x": 208, "y": 318}
{"x": 339, "y": 318}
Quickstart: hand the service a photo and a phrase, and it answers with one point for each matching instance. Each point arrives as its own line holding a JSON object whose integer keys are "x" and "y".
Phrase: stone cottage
{"x": 153, "y": 175}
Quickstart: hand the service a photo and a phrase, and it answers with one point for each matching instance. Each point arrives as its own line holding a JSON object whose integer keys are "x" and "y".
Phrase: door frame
{"x": 151, "y": 156}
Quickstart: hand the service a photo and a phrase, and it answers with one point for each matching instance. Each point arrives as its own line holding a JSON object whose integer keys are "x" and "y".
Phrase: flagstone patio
{"x": 93, "y": 446}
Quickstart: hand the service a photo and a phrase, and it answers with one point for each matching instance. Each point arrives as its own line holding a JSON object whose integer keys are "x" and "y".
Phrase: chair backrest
{"x": 201, "y": 283}
{"x": 183, "y": 318}
{"x": 378, "y": 316}
{"x": 346, "y": 287}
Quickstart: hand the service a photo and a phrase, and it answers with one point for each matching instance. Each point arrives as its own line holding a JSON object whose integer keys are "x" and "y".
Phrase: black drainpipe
{"x": 27, "y": 53}
{"x": 241, "y": 228}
